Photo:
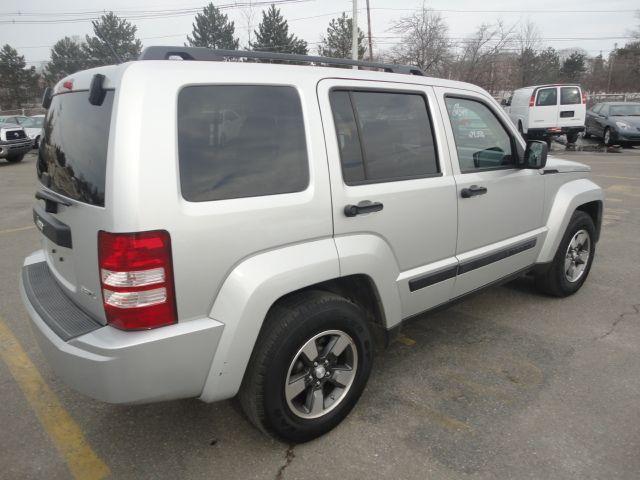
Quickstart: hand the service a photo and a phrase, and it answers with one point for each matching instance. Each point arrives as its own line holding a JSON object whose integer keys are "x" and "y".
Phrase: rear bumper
{"x": 126, "y": 367}
{"x": 552, "y": 131}
{"x": 17, "y": 147}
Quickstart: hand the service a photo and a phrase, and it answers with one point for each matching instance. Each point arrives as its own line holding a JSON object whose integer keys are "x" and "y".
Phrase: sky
{"x": 592, "y": 25}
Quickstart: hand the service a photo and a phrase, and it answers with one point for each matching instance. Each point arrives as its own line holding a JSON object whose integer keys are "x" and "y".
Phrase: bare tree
{"x": 248, "y": 14}
{"x": 528, "y": 41}
{"x": 484, "y": 53}
{"x": 424, "y": 42}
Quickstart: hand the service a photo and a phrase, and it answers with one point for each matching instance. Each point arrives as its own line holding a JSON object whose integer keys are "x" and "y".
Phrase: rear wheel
{"x": 586, "y": 133}
{"x": 15, "y": 158}
{"x": 572, "y": 262}
{"x": 310, "y": 365}
{"x": 572, "y": 137}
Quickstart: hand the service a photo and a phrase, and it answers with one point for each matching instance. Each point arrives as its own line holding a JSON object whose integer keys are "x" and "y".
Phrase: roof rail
{"x": 211, "y": 55}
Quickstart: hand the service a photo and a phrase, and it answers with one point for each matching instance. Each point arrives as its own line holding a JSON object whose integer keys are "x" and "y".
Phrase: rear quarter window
{"x": 240, "y": 141}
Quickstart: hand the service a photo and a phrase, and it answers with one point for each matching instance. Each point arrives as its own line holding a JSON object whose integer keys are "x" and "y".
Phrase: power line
{"x": 132, "y": 14}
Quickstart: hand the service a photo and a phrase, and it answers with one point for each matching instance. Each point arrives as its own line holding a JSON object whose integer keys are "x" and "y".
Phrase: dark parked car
{"x": 616, "y": 123}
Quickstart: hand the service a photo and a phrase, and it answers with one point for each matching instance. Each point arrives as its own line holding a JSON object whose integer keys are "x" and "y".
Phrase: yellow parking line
{"x": 19, "y": 229}
{"x": 63, "y": 431}
{"x": 403, "y": 339}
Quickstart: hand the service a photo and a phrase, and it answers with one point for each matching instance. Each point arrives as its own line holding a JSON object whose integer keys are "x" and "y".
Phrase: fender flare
{"x": 255, "y": 284}
{"x": 569, "y": 197}
{"x": 245, "y": 298}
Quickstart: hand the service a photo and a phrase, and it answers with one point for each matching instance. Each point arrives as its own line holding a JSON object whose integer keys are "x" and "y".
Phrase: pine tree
{"x": 573, "y": 67}
{"x": 212, "y": 29}
{"x": 18, "y": 84}
{"x": 338, "y": 42}
{"x": 273, "y": 35}
{"x": 67, "y": 57}
{"x": 117, "y": 32}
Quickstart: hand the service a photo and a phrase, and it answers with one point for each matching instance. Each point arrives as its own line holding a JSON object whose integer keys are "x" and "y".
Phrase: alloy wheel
{"x": 577, "y": 256}
{"x": 321, "y": 374}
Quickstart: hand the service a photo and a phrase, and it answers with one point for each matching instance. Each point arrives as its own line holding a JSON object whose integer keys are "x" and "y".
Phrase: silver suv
{"x": 213, "y": 229}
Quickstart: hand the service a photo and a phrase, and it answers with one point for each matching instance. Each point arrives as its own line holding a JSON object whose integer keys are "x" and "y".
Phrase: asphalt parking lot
{"x": 507, "y": 384}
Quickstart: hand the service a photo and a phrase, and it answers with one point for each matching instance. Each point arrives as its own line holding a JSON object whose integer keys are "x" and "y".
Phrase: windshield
{"x": 33, "y": 122}
{"x": 72, "y": 159}
{"x": 631, "y": 109}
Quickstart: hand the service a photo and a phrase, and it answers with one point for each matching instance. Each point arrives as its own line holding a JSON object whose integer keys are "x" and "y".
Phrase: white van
{"x": 545, "y": 111}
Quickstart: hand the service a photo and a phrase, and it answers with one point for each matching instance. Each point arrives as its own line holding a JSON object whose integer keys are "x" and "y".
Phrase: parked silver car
{"x": 341, "y": 202}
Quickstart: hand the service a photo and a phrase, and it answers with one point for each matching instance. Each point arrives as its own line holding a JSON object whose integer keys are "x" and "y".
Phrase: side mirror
{"x": 535, "y": 155}
{"x": 46, "y": 97}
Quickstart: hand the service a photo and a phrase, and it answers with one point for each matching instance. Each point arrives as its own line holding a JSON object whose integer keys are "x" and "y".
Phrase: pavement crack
{"x": 621, "y": 317}
{"x": 289, "y": 456}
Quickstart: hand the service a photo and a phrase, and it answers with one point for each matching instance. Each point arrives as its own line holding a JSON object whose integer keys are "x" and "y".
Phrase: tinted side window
{"x": 348, "y": 138}
{"x": 383, "y": 136}
{"x": 596, "y": 108}
{"x": 240, "y": 141}
{"x": 570, "y": 96}
{"x": 547, "y": 97}
{"x": 481, "y": 140}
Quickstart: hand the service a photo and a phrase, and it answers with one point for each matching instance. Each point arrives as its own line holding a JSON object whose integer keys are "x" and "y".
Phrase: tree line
{"x": 496, "y": 56}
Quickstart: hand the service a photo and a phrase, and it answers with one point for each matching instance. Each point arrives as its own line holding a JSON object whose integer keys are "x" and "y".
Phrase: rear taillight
{"x": 584, "y": 98}
{"x": 532, "y": 100}
{"x": 136, "y": 275}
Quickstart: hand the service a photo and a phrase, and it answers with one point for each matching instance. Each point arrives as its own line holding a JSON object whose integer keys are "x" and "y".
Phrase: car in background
{"x": 616, "y": 123}
{"x": 14, "y": 142}
{"x": 33, "y": 128}
{"x": 545, "y": 111}
{"x": 14, "y": 119}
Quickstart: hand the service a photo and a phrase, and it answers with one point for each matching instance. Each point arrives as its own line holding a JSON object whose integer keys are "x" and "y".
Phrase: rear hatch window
{"x": 570, "y": 96}
{"x": 72, "y": 158}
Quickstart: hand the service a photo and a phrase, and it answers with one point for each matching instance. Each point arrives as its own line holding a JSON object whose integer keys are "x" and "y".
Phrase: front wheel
{"x": 572, "y": 262}
{"x": 606, "y": 138}
{"x": 309, "y": 367}
{"x": 36, "y": 143}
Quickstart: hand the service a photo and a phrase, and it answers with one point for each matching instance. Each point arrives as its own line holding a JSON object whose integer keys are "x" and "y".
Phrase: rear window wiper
{"x": 51, "y": 202}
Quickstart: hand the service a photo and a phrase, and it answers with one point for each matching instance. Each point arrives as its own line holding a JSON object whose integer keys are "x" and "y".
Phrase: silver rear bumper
{"x": 127, "y": 367}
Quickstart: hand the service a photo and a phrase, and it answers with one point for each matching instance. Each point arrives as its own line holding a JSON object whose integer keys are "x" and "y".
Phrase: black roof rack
{"x": 206, "y": 54}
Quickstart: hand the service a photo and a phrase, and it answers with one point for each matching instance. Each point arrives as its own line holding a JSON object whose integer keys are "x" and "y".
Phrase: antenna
{"x": 99, "y": 35}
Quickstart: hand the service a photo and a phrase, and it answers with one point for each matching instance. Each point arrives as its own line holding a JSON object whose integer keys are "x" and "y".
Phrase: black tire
{"x": 606, "y": 141}
{"x": 554, "y": 281}
{"x": 288, "y": 327}
{"x": 36, "y": 143}
{"x": 572, "y": 137}
{"x": 15, "y": 159}
{"x": 586, "y": 134}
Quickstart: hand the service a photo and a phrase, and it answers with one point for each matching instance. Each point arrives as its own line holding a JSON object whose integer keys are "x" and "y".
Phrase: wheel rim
{"x": 577, "y": 256}
{"x": 321, "y": 374}
{"x": 607, "y": 137}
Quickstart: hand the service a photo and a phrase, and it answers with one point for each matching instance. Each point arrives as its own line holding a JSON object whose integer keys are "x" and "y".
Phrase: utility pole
{"x": 611, "y": 59}
{"x": 369, "y": 31}
{"x": 354, "y": 32}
